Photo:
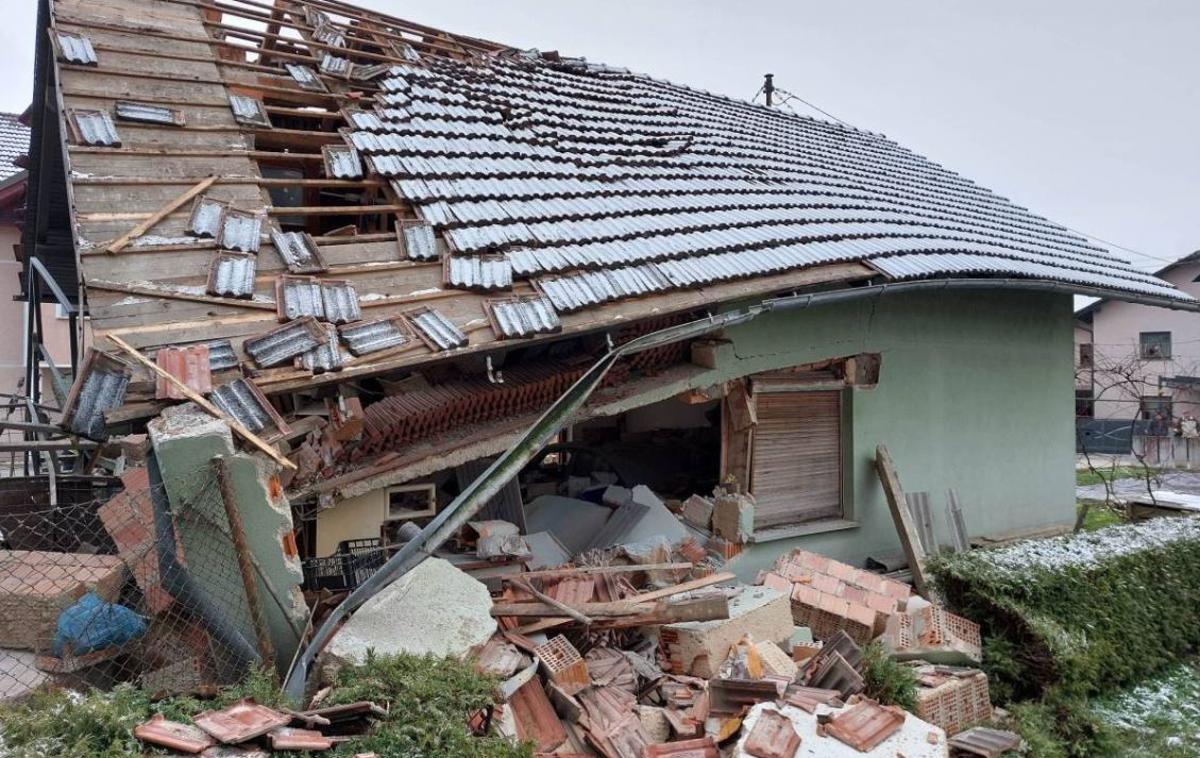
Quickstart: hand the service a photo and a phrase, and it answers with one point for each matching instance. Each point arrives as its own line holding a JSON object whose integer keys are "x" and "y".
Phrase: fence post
{"x": 237, "y": 531}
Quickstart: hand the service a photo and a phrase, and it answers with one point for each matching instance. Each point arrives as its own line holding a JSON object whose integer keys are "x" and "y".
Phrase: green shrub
{"x": 888, "y": 681}
{"x": 428, "y": 699}
{"x": 60, "y": 723}
{"x": 1058, "y": 727}
{"x": 1082, "y": 613}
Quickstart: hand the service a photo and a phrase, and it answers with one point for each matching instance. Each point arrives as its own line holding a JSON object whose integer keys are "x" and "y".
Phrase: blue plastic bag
{"x": 91, "y": 624}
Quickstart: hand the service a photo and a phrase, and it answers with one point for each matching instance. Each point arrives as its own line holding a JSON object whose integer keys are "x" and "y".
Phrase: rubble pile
{"x": 605, "y": 657}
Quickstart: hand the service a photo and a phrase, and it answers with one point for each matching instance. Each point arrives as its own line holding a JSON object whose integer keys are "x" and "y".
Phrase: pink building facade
{"x": 1138, "y": 362}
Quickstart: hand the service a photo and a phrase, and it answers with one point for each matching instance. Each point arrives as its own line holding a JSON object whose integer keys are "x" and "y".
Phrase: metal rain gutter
{"x": 473, "y": 497}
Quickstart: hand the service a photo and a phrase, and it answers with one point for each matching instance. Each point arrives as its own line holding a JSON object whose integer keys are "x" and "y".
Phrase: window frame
{"x": 1149, "y": 350}
{"x": 797, "y": 525}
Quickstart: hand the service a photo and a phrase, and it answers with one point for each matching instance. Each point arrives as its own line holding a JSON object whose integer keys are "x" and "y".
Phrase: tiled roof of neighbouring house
{"x": 14, "y": 142}
{"x": 600, "y": 184}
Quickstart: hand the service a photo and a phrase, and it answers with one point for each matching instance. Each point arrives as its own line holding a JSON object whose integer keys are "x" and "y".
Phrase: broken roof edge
{"x": 495, "y": 437}
{"x": 727, "y": 293}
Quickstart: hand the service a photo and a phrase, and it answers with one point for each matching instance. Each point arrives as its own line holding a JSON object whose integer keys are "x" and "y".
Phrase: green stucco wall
{"x": 975, "y": 393}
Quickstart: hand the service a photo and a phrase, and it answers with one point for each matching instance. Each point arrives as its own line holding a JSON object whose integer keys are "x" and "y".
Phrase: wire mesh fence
{"x": 123, "y": 581}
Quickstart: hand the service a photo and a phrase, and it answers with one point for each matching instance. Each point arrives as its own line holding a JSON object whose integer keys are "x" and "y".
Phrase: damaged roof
{"x": 512, "y": 194}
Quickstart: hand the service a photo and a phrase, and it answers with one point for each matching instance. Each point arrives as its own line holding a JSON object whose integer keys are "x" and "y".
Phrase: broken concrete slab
{"x": 658, "y": 522}
{"x": 545, "y": 551}
{"x": 914, "y": 739}
{"x": 185, "y": 441}
{"x": 435, "y": 609}
{"x": 699, "y": 647}
{"x": 573, "y": 522}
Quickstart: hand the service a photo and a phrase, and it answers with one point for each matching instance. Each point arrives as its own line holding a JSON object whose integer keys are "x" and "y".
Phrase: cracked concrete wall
{"x": 186, "y": 440}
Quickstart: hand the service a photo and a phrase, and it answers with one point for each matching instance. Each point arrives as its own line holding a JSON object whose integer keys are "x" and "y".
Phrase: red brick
{"x": 867, "y": 580}
{"x": 896, "y": 589}
{"x": 812, "y": 560}
{"x": 861, "y": 614}
{"x": 776, "y": 582}
{"x": 826, "y": 583}
{"x": 842, "y": 571}
{"x": 854, "y": 594}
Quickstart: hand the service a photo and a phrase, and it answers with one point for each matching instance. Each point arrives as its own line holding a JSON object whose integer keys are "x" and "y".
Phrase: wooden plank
{"x": 134, "y": 289}
{"x": 645, "y": 597}
{"x": 909, "y": 540}
{"x": 137, "y": 231}
{"x": 563, "y": 607}
{"x": 201, "y": 401}
{"x": 594, "y": 570}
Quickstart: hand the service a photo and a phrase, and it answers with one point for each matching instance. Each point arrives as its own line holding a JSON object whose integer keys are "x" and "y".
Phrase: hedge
{"x": 1083, "y": 613}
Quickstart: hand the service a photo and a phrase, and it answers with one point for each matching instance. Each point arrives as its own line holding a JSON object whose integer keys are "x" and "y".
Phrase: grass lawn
{"x": 1099, "y": 516}
{"x": 1160, "y": 717}
{"x": 1086, "y": 477}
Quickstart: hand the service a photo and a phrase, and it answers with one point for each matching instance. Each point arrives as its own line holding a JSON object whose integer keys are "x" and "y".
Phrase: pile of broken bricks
{"x": 249, "y": 730}
{"x": 603, "y": 660}
{"x": 637, "y": 652}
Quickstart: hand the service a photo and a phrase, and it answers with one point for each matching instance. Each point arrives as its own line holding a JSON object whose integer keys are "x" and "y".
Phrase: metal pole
{"x": 769, "y": 88}
{"x": 237, "y": 531}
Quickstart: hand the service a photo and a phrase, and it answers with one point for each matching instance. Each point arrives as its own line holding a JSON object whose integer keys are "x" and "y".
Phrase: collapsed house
{"x": 379, "y": 252}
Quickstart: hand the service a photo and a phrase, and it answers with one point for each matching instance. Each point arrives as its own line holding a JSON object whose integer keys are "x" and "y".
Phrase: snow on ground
{"x": 1086, "y": 548}
{"x": 1165, "y": 709}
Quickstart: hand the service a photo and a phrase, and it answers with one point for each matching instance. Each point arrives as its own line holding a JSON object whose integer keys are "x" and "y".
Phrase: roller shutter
{"x": 796, "y": 472}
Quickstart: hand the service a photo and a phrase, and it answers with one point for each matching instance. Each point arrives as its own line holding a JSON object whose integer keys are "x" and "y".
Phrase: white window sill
{"x": 802, "y": 530}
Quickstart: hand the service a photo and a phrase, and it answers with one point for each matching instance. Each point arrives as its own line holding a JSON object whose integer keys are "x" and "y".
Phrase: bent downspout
{"x": 504, "y": 468}
{"x": 179, "y": 583}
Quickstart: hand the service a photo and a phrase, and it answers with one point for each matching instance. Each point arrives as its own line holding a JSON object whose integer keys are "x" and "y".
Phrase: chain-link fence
{"x": 121, "y": 580}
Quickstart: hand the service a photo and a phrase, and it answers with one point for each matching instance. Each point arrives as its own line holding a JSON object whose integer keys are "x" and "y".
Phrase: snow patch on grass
{"x": 1088, "y": 548}
{"x": 1161, "y": 716}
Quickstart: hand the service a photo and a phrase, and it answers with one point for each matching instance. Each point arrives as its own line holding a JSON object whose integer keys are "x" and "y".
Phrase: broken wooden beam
{"x": 568, "y": 610}
{"x": 120, "y": 242}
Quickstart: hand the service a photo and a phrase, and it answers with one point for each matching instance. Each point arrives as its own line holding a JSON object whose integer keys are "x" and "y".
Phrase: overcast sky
{"x": 1085, "y": 111}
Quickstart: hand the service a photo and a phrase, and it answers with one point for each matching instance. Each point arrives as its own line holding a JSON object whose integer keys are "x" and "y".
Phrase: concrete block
{"x": 435, "y": 609}
{"x": 699, "y": 647}
{"x": 775, "y": 661}
{"x": 733, "y": 517}
{"x": 185, "y": 441}
{"x": 654, "y": 721}
{"x": 698, "y": 511}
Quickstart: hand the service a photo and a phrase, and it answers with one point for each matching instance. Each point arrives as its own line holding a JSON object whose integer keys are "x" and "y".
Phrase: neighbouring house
{"x": 387, "y": 249}
{"x": 14, "y": 150}
{"x": 1134, "y": 363}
